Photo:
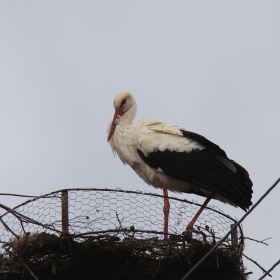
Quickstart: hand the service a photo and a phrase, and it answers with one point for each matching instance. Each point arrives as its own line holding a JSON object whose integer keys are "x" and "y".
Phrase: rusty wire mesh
{"x": 108, "y": 211}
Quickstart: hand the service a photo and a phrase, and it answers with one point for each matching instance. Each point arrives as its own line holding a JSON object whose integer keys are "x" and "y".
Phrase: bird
{"x": 169, "y": 157}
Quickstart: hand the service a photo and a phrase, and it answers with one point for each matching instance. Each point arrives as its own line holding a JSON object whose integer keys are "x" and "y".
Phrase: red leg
{"x": 166, "y": 208}
{"x": 190, "y": 225}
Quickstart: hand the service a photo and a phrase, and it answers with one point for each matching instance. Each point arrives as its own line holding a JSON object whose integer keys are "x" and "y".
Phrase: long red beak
{"x": 118, "y": 113}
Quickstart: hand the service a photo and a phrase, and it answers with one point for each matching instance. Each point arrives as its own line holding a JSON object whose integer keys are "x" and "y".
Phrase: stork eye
{"x": 123, "y": 102}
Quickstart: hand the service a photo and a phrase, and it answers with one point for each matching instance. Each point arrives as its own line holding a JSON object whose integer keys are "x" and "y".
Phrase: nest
{"x": 48, "y": 256}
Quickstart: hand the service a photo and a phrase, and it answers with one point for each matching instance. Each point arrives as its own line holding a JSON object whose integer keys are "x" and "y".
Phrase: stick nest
{"x": 48, "y": 256}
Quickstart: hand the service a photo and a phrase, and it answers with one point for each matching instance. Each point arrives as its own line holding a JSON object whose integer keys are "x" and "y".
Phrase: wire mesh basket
{"x": 85, "y": 212}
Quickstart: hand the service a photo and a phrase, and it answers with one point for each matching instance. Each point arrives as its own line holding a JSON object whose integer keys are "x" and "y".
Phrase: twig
{"x": 8, "y": 228}
{"x": 255, "y": 263}
{"x": 30, "y": 271}
{"x": 157, "y": 269}
{"x": 119, "y": 221}
{"x": 20, "y": 195}
{"x": 258, "y": 241}
{"x": 122, "y": 231}
{"x": 211, "y": 231}
{"x": 267, "y": 239}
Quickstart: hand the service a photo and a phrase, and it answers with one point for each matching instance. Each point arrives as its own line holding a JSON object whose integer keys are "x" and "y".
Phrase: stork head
{"x": 125, "y": 106}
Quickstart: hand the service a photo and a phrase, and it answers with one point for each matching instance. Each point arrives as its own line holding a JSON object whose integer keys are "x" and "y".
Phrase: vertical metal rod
{"x": 64, "y": 212}
{"x": 234, "y": 238}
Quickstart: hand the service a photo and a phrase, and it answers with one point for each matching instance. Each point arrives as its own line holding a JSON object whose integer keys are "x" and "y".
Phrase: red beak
{"x": 118, "y": 113}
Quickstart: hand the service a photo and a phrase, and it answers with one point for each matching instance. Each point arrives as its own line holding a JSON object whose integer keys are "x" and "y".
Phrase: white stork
{"x": 169, "y": 157}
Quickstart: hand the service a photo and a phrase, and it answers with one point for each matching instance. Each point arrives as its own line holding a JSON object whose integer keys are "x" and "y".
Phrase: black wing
{"x": 209, "y": 169}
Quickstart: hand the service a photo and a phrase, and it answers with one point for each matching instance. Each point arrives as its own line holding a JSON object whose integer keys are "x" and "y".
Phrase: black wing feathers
{"x": 204, "y": 141}
{"x": 209, "y": 169}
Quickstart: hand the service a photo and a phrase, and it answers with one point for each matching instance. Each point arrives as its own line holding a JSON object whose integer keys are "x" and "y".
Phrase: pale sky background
{"x": 212, "y": 67}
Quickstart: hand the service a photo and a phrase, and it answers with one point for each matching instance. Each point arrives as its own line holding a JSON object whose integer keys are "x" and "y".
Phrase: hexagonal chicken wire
{"x": 84, "y": 212}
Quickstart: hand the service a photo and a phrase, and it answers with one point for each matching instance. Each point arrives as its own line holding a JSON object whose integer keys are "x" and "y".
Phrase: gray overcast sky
{"x": 212, "y": 67}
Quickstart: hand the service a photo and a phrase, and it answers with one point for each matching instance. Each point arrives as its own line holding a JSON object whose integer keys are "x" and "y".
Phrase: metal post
{"x": 64, "y": 212}
{"x": 234, "y": 238}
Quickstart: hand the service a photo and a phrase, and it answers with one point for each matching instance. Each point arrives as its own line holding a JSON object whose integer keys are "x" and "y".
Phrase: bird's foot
{"x": 188, "y": 232}
{"x": 190, "y": 227}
